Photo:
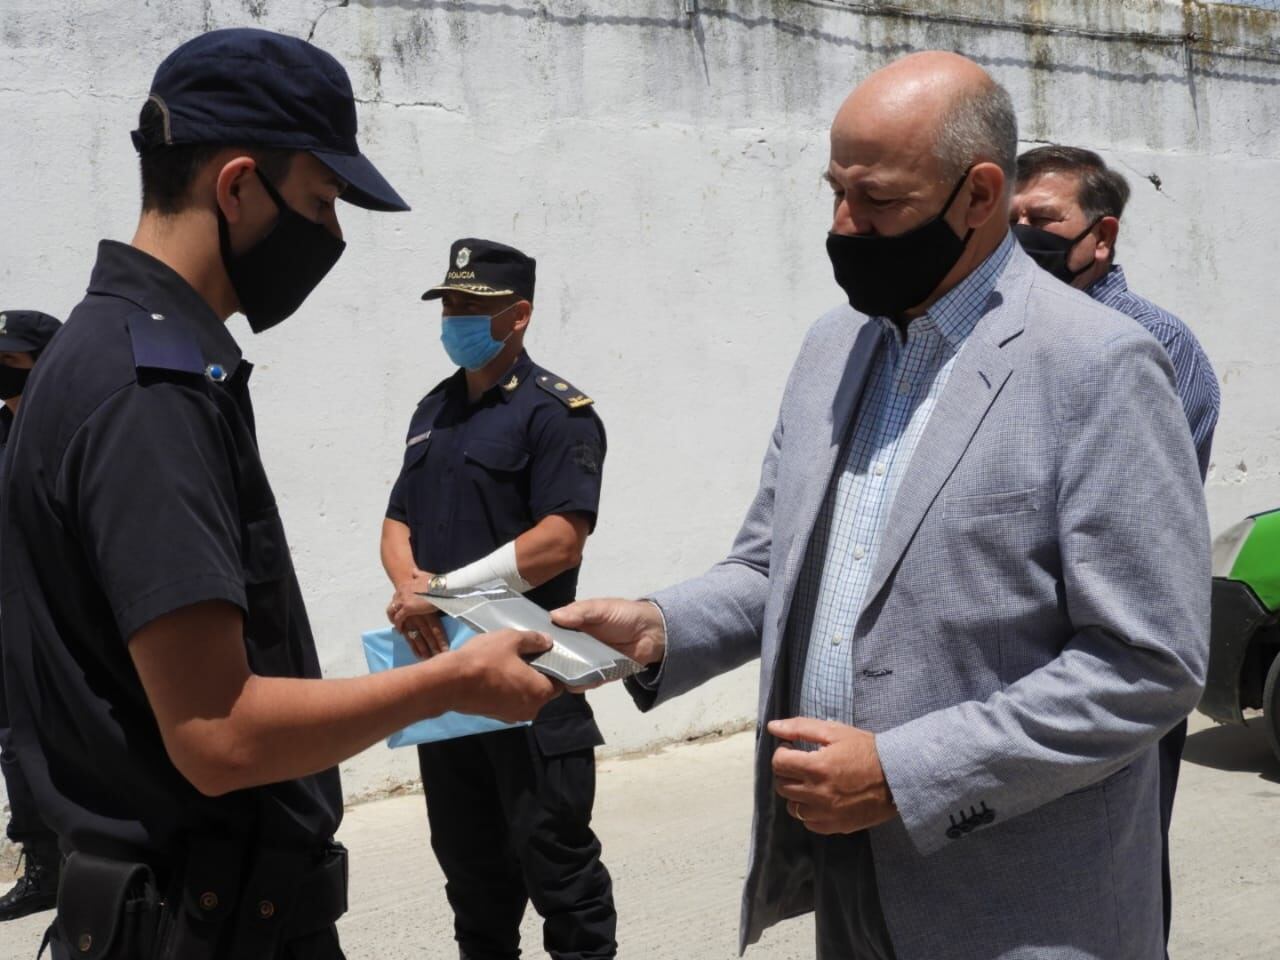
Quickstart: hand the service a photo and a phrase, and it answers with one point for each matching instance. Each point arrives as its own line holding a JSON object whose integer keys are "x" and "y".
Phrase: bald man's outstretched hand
{"x": 632, "y": 627}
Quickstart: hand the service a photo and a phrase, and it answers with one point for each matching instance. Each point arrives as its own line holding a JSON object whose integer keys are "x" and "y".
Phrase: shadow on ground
{"x": 1234, "y": 748}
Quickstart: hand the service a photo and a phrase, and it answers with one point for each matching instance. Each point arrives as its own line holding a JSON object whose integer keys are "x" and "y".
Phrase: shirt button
{"x": 157, "y": 316}
{"x": 835, "y": 641}
{"x": 859, "y": 553}
{"x": 879, "y": 469}
{"x": 904, "y": 388}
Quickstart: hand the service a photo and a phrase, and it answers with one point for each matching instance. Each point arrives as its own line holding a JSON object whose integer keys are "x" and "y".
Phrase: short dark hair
{"x": 169, "y": 170}
{"x": 1103, "y": 192}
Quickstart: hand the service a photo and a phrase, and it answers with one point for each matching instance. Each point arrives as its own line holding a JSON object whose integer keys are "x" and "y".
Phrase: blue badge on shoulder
{"x": 163, "y": 344}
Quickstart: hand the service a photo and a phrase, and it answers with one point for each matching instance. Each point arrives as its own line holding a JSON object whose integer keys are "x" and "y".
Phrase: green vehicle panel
{"x": 1245, "y": 633}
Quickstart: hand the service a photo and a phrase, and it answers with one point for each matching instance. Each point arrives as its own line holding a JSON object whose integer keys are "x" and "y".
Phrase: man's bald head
{"x": 933, "y": 105}
{"x": 930, "y": 136}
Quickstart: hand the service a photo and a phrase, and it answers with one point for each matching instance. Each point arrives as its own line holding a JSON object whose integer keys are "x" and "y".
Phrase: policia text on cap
{"x": 188, "y": 761}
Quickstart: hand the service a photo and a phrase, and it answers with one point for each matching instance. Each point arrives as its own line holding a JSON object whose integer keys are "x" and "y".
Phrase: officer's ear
{"x": 234, "y": 176}
{"x": 523, "y": 311}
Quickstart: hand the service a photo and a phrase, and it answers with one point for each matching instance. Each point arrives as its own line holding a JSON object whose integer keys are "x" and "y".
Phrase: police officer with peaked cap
{"x": 23, "y": 335}
{"x": 501, "y": 481}
{"x": 184, "y": 746}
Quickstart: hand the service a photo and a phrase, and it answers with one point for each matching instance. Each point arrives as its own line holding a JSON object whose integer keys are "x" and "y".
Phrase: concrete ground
{"x": 675, "y": 825}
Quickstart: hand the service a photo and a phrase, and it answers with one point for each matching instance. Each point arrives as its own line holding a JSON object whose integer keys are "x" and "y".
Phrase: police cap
{"x": 484, "y": 268}
{"x": 26, "y": 331}
{"x": 255, "y": 88}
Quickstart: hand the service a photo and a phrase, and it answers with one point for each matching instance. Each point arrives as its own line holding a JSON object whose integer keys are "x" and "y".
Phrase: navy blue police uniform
{"x": 136, "y": 490}
{"x": 510, "y": 811}
{"x": 24, "y": 331}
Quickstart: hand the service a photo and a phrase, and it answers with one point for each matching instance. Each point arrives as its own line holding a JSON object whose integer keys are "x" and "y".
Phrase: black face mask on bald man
{"x": 886, "y": 276}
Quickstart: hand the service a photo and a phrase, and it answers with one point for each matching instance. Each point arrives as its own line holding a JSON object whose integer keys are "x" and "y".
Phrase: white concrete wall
{"x": 665, "y": 172}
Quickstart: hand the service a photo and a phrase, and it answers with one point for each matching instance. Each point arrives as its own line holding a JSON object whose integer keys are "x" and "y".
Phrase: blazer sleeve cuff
{"x": 934, "y": 808}
{"x": 645, "y": 686}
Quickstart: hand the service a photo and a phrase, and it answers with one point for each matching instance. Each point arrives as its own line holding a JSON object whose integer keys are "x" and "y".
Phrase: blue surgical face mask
{"x": 468, "y": 340}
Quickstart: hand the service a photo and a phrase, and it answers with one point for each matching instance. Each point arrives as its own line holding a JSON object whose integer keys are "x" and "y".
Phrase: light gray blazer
{"x": 1038, "y": 617}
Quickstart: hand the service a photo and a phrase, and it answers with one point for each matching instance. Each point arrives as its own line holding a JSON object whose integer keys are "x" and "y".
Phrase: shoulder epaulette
{"x": 565, "y": 392}
{"x": 160, "y": 344}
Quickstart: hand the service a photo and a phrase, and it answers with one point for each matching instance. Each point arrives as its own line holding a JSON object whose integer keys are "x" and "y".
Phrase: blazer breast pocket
{"x": 1003, "y": 504}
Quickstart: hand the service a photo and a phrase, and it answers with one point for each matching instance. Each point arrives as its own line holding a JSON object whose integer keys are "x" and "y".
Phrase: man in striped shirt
{"x": 1066, "y": 213}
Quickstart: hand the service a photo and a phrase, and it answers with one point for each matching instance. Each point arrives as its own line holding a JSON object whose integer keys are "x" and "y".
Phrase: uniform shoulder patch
{"x": 562, "y": 390}
{"x": 161, "y": 344}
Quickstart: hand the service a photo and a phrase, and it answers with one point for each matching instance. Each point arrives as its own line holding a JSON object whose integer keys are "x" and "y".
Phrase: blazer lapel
{"x": 980, "y": 371}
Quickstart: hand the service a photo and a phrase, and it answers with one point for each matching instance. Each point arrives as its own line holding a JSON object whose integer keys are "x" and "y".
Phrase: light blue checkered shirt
{"x": 906, "y": 378}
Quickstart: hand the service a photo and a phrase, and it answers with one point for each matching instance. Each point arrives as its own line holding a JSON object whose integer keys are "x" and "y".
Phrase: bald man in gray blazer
{"x": 976, "y": 573}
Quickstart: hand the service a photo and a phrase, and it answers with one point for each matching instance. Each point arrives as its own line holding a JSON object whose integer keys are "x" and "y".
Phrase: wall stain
{"x": 1219, "y": 21}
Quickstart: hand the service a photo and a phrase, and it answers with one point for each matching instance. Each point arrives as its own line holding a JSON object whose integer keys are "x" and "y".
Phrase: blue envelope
{"x": 386, "y": 650}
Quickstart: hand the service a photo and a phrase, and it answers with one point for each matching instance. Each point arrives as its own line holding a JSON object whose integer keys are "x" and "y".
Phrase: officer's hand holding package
{"x": 415, "y": 617}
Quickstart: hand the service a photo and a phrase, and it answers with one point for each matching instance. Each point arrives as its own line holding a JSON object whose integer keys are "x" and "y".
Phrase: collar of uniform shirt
{"x": 520, "y": 370}
{"x": 128, "y": 273}
{"x": 1108, "y": 285}
{"x": 958, "y": 310}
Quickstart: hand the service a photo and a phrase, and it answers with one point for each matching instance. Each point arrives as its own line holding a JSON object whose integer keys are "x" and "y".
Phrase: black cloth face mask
{"x": 1051, "y": 251}
{"x": 885, "y": 276}
{"x": 274, "y": 276}
{"x": 13, "y": 380}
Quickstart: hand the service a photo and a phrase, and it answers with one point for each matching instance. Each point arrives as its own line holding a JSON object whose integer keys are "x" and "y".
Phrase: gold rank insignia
{"x": 511, "y": 384}
{"x": 570, "y": 396}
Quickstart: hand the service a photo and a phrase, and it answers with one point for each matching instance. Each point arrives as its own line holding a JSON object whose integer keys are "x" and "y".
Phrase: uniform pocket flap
{"x": 497, "y": 456}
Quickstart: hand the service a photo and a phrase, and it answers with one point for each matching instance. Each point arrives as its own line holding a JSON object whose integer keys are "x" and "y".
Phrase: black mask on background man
{"x": 1051, "y": 251}
{"x": 885, "y": 276}
{"x": 274, "y": 276}
{"x": 13, "y": 380}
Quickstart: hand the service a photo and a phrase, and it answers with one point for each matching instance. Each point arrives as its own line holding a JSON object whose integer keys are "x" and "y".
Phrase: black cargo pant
{"x": 26, "y": 826}
{"x": 510, "y": 825}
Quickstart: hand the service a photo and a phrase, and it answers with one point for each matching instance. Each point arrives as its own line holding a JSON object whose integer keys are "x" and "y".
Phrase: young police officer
{"x": 501, "y": 481}
{"x": 23, "y": 335}
{"x": 154, "y": 631}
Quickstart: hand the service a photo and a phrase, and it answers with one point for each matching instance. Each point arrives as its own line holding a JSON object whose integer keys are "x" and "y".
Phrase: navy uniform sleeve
{"x": 148, "y": 482}
{"x": 396, "y": 509}
{"x": 568, "y": 463}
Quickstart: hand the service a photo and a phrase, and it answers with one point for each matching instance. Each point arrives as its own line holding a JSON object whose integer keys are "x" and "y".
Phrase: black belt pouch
{"x": 107, "y": 909}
